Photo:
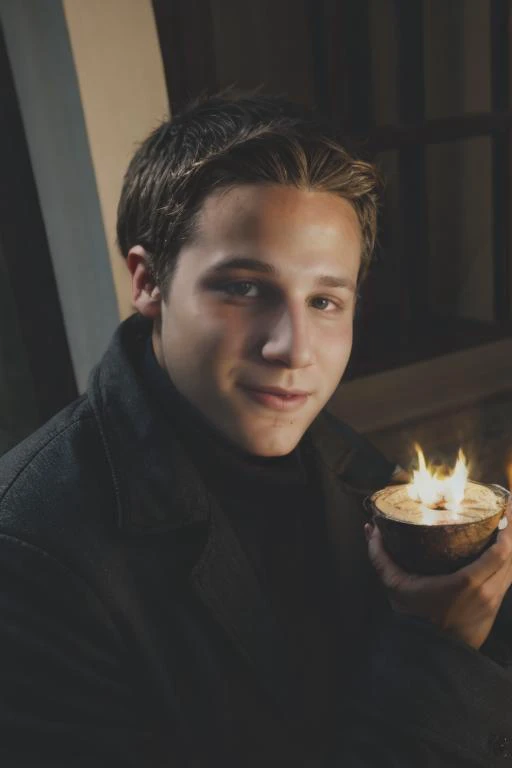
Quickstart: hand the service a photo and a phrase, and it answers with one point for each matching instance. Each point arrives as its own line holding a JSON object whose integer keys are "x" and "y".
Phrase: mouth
{"x": 276, "y": 398}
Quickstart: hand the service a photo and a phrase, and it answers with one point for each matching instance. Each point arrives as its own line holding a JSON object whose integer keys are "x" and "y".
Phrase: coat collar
{"x": 158, "y": 489}
{"x": 156, "y": 485}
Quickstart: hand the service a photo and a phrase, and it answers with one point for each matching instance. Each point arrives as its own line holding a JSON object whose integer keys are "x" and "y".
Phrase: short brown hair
{"x": 223, "y": 141}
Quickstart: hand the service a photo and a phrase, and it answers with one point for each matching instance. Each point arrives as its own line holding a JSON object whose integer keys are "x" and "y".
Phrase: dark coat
{"x": 133, "y": 630}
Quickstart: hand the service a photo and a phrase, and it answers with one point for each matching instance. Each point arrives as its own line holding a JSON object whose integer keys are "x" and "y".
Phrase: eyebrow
{"x": 256, "y": 265}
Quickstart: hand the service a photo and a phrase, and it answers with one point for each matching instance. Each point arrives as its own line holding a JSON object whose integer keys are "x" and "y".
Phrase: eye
{"x": 241, "y": 288}
{"x": 324, "y": 304}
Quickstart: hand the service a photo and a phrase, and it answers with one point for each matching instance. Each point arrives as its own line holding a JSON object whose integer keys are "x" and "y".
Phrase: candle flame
{"x": 438, "y": 488}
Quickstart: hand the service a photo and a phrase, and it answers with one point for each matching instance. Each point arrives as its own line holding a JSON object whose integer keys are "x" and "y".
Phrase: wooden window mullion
{"x": 501, "y": 159}
{"x": 412, "y": 171}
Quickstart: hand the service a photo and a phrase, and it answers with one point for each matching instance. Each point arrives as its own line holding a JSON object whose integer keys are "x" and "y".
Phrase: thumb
{"x": 388, "y": 572}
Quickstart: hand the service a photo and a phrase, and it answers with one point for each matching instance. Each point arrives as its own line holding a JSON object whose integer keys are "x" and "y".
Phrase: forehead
{"x": 284, "y": 222}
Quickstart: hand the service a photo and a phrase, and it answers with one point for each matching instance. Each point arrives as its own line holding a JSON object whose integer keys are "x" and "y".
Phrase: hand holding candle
{"x": 433, "y": 525}
{"x": 464, "y": 603}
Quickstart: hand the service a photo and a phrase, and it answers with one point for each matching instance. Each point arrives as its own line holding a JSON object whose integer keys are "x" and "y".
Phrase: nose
{"x": 288, "y": 339}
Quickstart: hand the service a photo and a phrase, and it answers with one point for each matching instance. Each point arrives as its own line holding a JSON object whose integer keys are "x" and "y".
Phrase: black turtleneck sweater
{"x": 275, "y": 509}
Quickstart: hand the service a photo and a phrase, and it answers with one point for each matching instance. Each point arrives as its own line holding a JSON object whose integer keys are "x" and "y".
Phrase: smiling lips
{"x": 278, "y": 399}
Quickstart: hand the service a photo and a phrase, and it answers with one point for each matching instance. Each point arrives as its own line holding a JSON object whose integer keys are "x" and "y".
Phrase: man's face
{"x": 260, "y": 307}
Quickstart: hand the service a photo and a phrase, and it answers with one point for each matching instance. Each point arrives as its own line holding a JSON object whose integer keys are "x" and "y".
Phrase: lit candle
{"x": 440, "y": 520}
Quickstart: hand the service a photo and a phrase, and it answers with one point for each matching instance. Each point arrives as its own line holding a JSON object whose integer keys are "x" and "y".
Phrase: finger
{"x": 505, "y": 527}
{"x": 503, "y": 575}
{"x": 496, "y": 559}
{"x": 508, "y": 509}
{"x": 387, "y": 570}
{"x": 496, "y": 587}
{"x": 507, "y": 577}
{"x": 504, "y": 537}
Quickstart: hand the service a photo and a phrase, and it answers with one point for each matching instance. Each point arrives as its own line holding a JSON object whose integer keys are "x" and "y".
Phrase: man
{"x": 184, "y": 575}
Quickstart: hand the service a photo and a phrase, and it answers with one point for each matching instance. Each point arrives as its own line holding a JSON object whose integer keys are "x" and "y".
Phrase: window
{"x": 424, "y": 88}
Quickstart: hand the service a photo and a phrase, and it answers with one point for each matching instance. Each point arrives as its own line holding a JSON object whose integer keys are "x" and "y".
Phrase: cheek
{"x": 216, "y": 344}
{"x": 230, "y": 331}
{"x": 336, "y": 346}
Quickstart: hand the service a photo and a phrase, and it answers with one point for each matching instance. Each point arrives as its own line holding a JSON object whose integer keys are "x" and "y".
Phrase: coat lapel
{"x": 356, "y": 581}
{"x": 361, "y": 596}
{"x": 227, "y": 584}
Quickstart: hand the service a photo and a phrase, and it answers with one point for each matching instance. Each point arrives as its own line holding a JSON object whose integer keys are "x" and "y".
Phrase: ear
{"x": 146, "y": 295}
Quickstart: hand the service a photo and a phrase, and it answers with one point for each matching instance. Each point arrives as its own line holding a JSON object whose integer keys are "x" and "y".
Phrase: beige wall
{"x": 46, "y": 83}
{"x": 123, "y": 92}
